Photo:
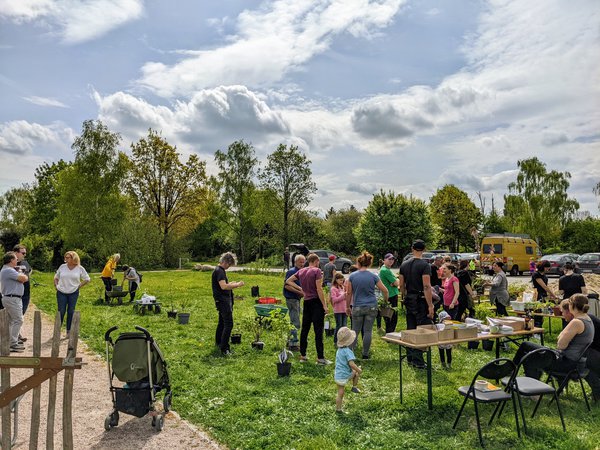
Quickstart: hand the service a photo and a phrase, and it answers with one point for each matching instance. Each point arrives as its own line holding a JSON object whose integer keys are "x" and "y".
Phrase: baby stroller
{"x": 133, "y": 354}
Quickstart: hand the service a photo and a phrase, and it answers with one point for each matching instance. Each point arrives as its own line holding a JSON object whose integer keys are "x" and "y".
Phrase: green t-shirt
{"x": 387, "y": 278}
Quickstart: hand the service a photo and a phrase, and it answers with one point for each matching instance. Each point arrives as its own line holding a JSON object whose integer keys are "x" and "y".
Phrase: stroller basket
{"x": 134, "y": 402}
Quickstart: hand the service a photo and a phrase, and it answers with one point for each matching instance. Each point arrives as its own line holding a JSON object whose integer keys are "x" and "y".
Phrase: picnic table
{"x": 513, "y": 337}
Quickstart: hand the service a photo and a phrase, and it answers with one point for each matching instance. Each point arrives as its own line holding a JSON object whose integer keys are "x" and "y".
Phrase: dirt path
{"x": 91, "y": 404}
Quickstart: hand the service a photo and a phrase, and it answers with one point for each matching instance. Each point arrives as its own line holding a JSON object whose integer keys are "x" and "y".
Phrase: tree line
{"x": 154, "y": 207}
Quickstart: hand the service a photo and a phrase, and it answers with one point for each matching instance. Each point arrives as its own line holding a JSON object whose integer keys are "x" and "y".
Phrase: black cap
{"x": 418, "y": 245}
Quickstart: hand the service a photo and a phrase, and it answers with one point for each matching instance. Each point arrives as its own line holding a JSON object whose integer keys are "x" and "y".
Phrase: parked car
{"x": 472, "y": 256}
{"x": 589, "y": 263}
{"x": 341, "y": 264}
{"x": 427, "y": 256}
{"x": 558, "y": 261}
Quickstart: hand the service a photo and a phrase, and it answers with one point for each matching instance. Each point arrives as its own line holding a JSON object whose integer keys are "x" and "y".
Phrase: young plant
{"x": 253, "y": 325}
{"x": 281, "y": 328}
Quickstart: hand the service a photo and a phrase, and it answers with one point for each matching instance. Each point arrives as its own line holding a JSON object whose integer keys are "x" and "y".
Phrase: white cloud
{"x": 77, "y": 21}
{"x": 270, "y": 42}
{"x": 45, "y": 101}
{"x": 20, "y": 137}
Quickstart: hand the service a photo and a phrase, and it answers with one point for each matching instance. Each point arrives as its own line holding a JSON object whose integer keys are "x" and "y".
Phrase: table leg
{"x": 542, "y": 338}
{"x": 400, "y": 369}
{"x": 497, "y": 348}
{"x": 429, "y": 387}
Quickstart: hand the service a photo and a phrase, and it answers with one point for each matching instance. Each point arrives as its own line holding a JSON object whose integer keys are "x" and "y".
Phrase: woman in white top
{"x": 68, "y": 279}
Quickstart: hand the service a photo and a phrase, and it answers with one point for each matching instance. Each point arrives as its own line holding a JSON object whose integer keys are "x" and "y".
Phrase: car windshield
{"x": 590, "y": 257}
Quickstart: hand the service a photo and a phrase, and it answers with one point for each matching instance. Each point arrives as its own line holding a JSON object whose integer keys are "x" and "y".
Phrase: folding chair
{"x": 495, "y": 370}
{"x": 540, "y": 359}
{"x": 578, "y": 373}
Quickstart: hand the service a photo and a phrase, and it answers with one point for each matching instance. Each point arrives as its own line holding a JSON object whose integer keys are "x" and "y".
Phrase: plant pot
{"x": 330, "y": 332}
{"x": 283, "y": 369}
{"x": 386, "y": 312}
{"x": 473, "y": 345}
{"x": 172, "y": 314}
{"x": 487, "y": 344}
{"x": 258, "y": 345}
{"x": 236, "y": 338}
{"x": 183, "y": 318}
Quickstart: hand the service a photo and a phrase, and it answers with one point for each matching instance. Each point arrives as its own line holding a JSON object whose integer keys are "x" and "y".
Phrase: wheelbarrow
{"x": 263, "y": 311}
{"x": 116, "y": 293}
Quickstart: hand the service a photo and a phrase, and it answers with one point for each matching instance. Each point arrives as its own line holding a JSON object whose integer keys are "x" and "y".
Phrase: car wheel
{"x": 346, "y": 268}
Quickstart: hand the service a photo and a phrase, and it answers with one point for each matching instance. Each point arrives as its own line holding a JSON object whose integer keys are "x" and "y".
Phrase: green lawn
{"x": 242, "y": 403}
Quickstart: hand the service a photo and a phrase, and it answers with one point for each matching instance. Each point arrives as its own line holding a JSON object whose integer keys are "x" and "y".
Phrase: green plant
{"x": 253, "y": 325}
{"x": 281, "y": 329}
{"x": 482, "y": 312}
{"x": 516, "y": 289}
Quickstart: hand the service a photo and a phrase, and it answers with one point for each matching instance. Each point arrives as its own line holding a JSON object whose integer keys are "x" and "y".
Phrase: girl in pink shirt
{"x": 451, "y": 288}
{"x": 337, "y": 297}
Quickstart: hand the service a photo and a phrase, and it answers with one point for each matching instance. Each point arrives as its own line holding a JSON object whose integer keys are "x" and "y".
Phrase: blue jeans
{"x": 363, "y": 318}
{"x": 66, "y": 303}
{"x": 341, "y": 319}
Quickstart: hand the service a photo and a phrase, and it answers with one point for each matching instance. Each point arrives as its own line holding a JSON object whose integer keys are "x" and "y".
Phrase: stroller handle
{"x": 146, "y": 332}
{"x": 107, "y": 334}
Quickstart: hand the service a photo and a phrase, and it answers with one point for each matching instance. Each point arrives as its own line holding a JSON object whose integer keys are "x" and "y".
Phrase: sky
{"x": 396, "y": 95}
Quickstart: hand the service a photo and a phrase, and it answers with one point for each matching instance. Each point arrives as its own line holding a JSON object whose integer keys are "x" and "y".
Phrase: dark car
{"x": 341, "y": 264}
{"x": 557, "y": 262}
{"x": 589, "y": 263}
{"x": 427, "y": 256}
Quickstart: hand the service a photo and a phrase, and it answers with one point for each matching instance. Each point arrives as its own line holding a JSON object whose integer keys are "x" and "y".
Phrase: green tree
{"x": 90, "y": 207}
{"x": 582, "y": 236}
{"x": 14, "y": 206}
{"x": 339, "y": 230}
{"x": 306, "y": 227}
{"x": 455, "y": 215}
{"x": 44, "y": 207}
{"x": 288, "y": 174}
{"x": 266, "y": 225}
{"x": 537, "y": 202}
{"x": 169, "y": 191}
{"x": 235, "y": 182}
{"x": 392, "y": 222}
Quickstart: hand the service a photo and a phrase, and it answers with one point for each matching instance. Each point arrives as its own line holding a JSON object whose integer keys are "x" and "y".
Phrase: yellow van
{"x": 514, "y": 250}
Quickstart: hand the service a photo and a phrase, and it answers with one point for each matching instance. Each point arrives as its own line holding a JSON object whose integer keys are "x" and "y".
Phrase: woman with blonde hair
{"x": 69, "y": 278}
{"x": 108, "y": 272}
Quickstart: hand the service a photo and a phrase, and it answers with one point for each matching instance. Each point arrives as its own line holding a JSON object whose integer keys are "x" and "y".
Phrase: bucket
{"x": 183, "y": 318}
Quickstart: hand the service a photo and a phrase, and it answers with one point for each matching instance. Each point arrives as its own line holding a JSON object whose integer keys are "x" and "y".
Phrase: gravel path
{"x": 91, "y": 404}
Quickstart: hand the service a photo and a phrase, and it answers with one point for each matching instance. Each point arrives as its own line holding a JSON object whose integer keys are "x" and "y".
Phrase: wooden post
{"x": 52, "y": 386}
{"x": 5, "y": 378}
{"x": 68, "y": 384}
{"x": 37, "y": 391}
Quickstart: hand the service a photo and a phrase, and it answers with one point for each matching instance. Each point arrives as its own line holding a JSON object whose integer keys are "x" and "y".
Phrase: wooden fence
{"x": 44, "y": 369}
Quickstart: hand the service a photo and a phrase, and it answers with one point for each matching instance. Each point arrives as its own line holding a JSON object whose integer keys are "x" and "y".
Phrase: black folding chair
{"x": 540, "y": 359}
{"x": 578, "y": 373}
{"x": 495, "y": 370}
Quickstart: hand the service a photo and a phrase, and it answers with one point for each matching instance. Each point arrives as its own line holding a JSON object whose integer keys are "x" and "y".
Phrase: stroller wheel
{"x": 158, "y": 422}
{"x": 167, "y": 402}
{"x": 112, "y": 420}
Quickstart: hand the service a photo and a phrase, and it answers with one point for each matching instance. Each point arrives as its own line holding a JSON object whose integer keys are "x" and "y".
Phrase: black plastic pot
{"x": 183, "y": 318}
{"x": 236, "y": 338}
{"x": 283, "y": 370}
{"x": 329, "y": 331}
{"x": 473, "y": 345}
{"x": 258, "y": 345}
{"x": 487, "y": 344}
{"x": 172, "y": 314}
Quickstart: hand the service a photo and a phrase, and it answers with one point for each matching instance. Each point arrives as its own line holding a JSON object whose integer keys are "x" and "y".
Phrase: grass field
{"x": 242, "y": 403}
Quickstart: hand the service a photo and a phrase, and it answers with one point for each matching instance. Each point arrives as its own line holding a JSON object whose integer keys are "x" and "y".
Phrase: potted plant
{"x": 172, "y": 313}
{"x": 281, "y": 328}
{"x": 183, "y": 318}
{"x": 253, "y": 325}
{"x": 236, "y": 337}
{"x": 385, "y": 308}
{"x": 329, "y": 328}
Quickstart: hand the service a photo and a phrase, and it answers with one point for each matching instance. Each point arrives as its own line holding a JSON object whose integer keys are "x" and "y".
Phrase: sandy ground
{"x": 92, "y": 403}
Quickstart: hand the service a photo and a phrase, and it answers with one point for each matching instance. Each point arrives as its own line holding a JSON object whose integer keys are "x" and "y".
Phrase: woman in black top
{"x": 540, "y": 283}
{"x": 466, "y": 290}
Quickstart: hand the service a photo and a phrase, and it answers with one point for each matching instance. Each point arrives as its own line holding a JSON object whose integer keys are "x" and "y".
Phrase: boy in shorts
{"x": 345, "y": 366}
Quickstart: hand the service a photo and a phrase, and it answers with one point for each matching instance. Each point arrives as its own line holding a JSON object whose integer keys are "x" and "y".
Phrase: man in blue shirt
{"x": 293, "y": 294}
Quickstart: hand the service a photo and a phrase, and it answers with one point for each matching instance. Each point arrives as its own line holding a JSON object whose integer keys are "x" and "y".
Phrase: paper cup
{"x": 481, "y": 385}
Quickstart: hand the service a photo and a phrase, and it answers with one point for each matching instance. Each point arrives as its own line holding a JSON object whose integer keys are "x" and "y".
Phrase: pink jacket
{"x": 338, "y": 298}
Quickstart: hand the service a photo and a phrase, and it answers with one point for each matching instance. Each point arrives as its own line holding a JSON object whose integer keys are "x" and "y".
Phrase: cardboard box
{"x": 446, "y": 334}
{"x": 517, "y": 323}
{"x": 465, "y": 333}
{"x": 420, "y": 336}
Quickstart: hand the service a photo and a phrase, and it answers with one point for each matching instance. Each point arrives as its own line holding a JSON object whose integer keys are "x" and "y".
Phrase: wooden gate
{"x": 44, "y": 369}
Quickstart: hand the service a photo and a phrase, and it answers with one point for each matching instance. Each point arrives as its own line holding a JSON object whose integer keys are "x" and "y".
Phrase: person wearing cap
{"x": 390, "y": 281}
{"x": 346, "y": 369}
{"x": 329, "y": 271}
{"x": 11, "y": 288}
{"x": 415, "y": 284}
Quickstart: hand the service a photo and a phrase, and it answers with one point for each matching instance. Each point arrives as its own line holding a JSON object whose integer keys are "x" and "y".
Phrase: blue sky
{"x": 381, "y": 94}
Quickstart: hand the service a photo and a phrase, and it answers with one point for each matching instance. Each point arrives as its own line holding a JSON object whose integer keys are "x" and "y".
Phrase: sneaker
{"x": 366, "y": 357}
{"x": 303, "y": 359}
{"x": 340, "y": 412}
{"x": 227, "y": 353}
{"x": 323, "y": 362}
{"x": 418, "y": 364}
{"x": 22, "y": 339}
{"x": 19, "y": 346}
{"x": 15, "y": 349}
{"x": 444, "y": 366}
{"x": 355, "y": 390}
{"x": 449, "y": 366}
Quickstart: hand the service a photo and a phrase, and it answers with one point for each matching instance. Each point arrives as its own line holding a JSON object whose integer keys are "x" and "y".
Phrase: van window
{"x": 488, "y": 247}
{"x": 529, "y": 250}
